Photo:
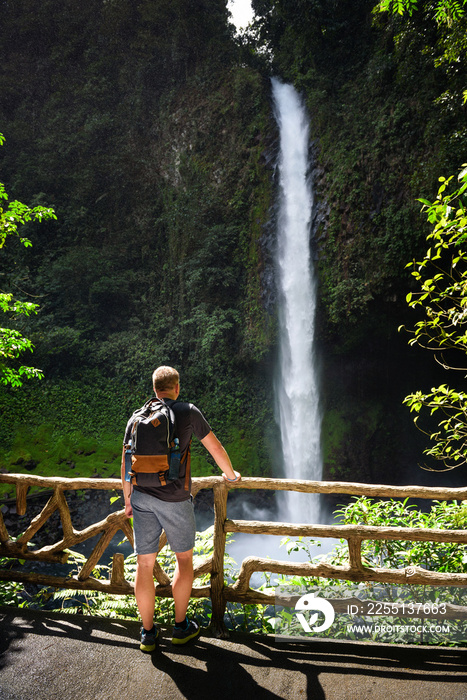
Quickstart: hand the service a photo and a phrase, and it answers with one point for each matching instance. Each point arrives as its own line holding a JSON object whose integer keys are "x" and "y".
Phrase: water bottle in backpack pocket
{"x": 174, "y": 469}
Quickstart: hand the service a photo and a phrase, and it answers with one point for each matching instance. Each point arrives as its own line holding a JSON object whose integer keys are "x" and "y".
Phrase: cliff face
{"x": 148, "y": 128}
{"x": 145, "y": 128}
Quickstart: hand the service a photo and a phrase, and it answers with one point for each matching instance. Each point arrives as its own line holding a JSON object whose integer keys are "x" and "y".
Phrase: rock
{"x": 30, "y": 465}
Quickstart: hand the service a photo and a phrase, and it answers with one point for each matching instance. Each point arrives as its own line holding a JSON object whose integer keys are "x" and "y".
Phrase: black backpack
{"x": 152, "y": 452}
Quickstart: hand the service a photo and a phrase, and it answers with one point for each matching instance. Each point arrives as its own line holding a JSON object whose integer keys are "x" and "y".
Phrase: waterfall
{"x": 297, "y": 399}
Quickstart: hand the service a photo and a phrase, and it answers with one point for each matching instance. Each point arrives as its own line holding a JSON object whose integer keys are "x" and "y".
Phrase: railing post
{"x": 217, "y": 573}
{"x": 117, "y": 575}
{"x": 355, "y": 553}
{"x": 4, "y": 536}
{"x": 21, "y": 503}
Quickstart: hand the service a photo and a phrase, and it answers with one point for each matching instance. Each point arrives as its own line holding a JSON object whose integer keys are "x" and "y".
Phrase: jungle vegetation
{"x": 146, "y": 125}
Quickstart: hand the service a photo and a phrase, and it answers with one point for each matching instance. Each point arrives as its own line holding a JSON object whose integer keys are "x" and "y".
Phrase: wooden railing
{"x": 219, "y": 593}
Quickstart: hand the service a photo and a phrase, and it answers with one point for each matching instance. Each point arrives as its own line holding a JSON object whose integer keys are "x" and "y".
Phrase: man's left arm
{"x": 220, "y": 456}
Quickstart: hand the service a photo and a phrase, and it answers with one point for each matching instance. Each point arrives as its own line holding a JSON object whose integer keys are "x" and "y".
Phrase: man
{"x": 170, "y": 508}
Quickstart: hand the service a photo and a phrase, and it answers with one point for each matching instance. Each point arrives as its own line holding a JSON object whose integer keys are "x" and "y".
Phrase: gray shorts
{"x": 151, "y": 516}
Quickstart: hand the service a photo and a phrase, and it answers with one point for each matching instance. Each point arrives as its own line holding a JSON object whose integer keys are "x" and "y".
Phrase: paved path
{"x": 48, "y": 656}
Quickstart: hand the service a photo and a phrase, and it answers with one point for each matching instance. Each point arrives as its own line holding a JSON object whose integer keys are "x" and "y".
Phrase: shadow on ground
{"x": 48, "y": 655}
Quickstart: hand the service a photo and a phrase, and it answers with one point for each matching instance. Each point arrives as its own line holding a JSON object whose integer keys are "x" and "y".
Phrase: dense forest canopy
{"x": 146, "y": 125}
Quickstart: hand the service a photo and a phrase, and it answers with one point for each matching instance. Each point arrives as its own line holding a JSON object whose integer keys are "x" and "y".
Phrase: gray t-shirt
{"x": 189, "y": 421}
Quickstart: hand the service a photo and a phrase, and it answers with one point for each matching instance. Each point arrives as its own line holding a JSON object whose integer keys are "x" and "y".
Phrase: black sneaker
{"x": 148, "y": 639}
{"x": 182, "y": 636}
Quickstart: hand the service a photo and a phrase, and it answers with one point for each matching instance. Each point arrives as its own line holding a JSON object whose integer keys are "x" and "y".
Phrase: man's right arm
{"x": 126, "y": 486}
{"x": 220, "y": 456}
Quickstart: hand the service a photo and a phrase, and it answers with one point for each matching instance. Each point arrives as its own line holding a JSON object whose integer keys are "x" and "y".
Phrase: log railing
{"x": 219, "y": 593}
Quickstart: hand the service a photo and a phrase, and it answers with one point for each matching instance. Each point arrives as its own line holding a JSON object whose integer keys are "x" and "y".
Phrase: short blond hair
{"x": 165, "y": 378}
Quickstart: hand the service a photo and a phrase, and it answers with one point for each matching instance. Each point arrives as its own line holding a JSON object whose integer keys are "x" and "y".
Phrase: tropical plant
{"x": 11, "y": 592}
{"x": 442, "y": 296}
{"x": 400, "y": 553}
{"x": 12, "y": 341}
{"x": 396, "y": 553}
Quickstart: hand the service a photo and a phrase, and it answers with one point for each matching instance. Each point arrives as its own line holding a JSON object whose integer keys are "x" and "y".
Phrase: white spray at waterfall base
{"x": 298, "y": 411}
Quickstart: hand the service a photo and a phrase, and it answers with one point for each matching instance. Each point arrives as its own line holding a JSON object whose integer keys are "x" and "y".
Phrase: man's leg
{"x": 145, "y": 589}
{"x": 182, "y": 583}
{"x": 184, "y": 629}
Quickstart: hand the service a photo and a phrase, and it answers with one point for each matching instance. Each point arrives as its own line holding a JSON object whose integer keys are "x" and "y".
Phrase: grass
{"x": 75, "y": 429}
{"x": 40, "y": 451}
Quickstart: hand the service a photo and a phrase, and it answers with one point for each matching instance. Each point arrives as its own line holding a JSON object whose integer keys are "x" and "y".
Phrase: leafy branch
{"x": 12, "y": 342}
{"x": 444, "y": 11}
{"x": 442, "y": 280}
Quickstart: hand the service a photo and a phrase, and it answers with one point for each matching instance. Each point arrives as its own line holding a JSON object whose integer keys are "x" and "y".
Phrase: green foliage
{"x": 71, "y": 428}
{"x": 397, "y": 554}
{"x": 155, "y": 149}
{"x": 442, "y": 281}
{"x": 92, "y": 602}
{"x": 12, "y": 343}
{"x": 391, "y": 554}
{"x": 397, "y": 6}
{"x": 444, "y": 11}
{"x": 44, "y": 452}
{"x": 11, "y": 592}
{"x": 18, "y": 214}
{"x": 334, "y": 429}
{"x": 150, "y": 143}
{"x": 242, "y": 446}
{"x": 150, "y": 129}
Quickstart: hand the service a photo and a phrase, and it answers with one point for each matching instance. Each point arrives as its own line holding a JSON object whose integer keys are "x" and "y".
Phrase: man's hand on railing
{"x": 232, "y": 481}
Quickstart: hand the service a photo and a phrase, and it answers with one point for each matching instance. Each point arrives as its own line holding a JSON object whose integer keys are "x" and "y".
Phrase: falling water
{"x": 296, "y": 387}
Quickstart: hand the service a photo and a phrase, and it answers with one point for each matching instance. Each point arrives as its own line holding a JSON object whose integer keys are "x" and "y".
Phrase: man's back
{"x": 189, "y": 421}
